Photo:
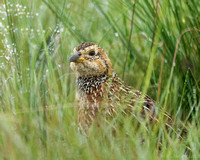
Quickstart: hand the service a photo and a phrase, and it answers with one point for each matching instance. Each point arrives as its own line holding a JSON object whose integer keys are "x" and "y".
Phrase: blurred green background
{"x": 142, "y": 39}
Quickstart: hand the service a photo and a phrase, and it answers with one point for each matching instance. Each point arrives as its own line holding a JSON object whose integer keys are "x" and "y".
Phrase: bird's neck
{"x": 89, "y": 84}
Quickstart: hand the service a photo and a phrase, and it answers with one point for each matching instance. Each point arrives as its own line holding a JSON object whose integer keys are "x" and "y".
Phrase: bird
{"x": 100, "y": 90}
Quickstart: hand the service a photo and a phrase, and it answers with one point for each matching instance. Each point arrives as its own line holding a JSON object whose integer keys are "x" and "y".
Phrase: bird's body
{"x": 100, "y": 91}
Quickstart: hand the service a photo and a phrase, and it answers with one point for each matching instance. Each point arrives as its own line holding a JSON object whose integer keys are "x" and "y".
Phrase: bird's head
{"x": 90, "y": 60}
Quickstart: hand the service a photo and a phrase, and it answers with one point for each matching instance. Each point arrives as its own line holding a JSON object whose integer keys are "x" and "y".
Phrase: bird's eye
{"x": 92, "y": 53}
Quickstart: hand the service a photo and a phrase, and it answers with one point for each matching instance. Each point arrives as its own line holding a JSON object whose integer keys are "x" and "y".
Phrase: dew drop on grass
{"x": 62, "y": 29}
{"x": 2, "y": 66}
{"x": 69, "y": 5}
{"x": 73, "y": 27}
{"x": 7, "y": 58}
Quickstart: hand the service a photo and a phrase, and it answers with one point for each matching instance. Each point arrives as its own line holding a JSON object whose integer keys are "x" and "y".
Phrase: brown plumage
{"x": 100, "y": 90}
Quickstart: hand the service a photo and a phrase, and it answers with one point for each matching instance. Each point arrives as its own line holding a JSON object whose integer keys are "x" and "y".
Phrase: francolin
{"x": 100, "y": 90}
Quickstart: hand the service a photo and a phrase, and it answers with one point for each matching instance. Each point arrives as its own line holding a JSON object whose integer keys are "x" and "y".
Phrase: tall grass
{"x": 154, "y": 47}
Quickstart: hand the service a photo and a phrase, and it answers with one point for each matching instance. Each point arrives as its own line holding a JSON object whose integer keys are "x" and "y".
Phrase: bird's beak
{"x": 76, "y": 58}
